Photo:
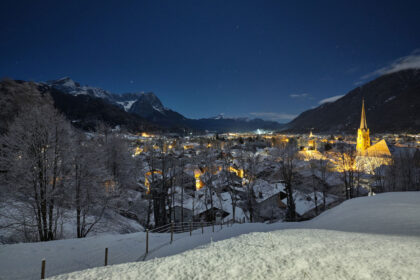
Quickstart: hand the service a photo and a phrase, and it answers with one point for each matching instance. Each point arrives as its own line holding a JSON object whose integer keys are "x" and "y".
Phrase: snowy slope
{"x": 388, "y": 213}
{"x": 297, "y": 250}
{"x": 111, "y": 223}
{"x": 284, "y": 254}
{"x": 126, "y": 104}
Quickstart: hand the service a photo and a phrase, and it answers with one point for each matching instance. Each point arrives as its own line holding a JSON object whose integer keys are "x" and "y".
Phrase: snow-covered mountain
{"x": 125, "y": 101}
{"x": 144, "y": 104}
{"x": 69, "y": 86}
{"x": 148, "y": 106}
{"x": 85, "y": 107}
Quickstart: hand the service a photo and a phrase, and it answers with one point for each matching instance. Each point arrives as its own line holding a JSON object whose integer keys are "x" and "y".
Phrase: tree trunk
{"x": 291, "y": 208}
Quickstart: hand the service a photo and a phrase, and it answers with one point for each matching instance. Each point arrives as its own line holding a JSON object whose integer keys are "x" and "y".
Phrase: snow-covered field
{"x": 283, "y": 254}
{"x": 365, "y": 238}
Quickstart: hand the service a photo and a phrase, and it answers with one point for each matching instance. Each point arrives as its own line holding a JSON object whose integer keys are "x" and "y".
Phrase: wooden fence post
{"x": 202, "y": 228}
{"x": 43, "y": 269}
{"x": 172, "y": 232}
{"x": 190, "y": 228}
{"x": 106, "y": 256}
{"x": 221, "y": 224}
{"x": 212, "y": 226}
{"x": 147, "y": 241}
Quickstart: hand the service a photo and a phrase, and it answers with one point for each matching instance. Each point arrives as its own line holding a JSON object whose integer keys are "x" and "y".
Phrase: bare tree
{"x": 151, "y": 160}
{"x": 36, "y": 159}
{"x": 181, "y": 183}
{"x": 346, "y": 163}
{"x": 209, "y": 168}
{"x": 159, "y": 189}
{"x": 324, "y": 167}
{"x": 313, "y": 166}
{"x": 406, "y": 167}
{"x": 391, "y": 177}
{"x": 287, "y": 153}
{"x": 376, "y": 166}
{"x": 249, "y": 162}
{"x": 118, "y": 160}
{"x": 93, "y": 187}
{"x": 231, "y": 180}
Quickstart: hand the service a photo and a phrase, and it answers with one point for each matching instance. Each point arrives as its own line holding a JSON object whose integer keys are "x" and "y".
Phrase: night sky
{"x": 268, "y": 59}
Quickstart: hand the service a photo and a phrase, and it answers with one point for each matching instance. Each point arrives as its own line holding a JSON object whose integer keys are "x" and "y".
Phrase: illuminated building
{"x": 311, "y": 142}
{"x": 137, "y": 151}
{"x": 363, "y": 139}
{"x": 198, "y": 183}
{"x": 146, "y": 179}
{"x": 370, "y": 157}
{"x": 238, "y": 172}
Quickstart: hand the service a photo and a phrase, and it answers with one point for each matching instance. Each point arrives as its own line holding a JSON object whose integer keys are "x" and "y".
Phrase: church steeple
{"x": 363, "y": 124}
{"x": 363, "y": 139}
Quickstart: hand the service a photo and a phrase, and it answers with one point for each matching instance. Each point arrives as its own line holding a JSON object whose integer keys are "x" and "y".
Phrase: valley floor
{"x": 365, "y": 238}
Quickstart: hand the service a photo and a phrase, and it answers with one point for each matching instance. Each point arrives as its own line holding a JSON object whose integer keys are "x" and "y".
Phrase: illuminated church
{"x": 363, "y": 139}
{"x": 374, "y": 155}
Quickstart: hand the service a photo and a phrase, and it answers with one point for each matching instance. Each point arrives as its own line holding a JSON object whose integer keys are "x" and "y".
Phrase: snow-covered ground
{"x": 111, "y": 223}
{"x": 283, "y": 254}
{"x": 365, "y": 238}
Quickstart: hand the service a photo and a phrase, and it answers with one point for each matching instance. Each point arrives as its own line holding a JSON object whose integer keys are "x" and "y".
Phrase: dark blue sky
{"x": 243, "y": 58}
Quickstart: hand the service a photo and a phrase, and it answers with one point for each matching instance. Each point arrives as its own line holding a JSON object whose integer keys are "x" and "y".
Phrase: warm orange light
{"x": 137, "y": 151}
{"x": 238, "y": 172}
{"x": 198, "y": 183}
{"x": 146, "y": 180}
{"x": 109, "y": 185}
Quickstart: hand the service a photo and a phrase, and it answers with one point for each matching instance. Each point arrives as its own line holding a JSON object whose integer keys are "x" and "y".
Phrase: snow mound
{"x": 395, "y": 213}
{"x": 284, "y": 254}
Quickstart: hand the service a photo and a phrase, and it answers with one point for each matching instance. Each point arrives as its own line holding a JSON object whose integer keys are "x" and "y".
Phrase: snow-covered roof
{"x": 305, "y": 202}
{"x": 380, "y": 149}
{"x": 221, "y": 201}
{"x": 264, "y": 190}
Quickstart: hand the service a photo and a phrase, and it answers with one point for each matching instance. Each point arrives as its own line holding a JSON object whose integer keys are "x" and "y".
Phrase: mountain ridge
{"x": 148, "y": 106}
{"x": 392, "y": 105}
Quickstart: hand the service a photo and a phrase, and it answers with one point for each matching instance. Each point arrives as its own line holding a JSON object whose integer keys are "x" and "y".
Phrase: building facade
{"x": 363, "y": 138}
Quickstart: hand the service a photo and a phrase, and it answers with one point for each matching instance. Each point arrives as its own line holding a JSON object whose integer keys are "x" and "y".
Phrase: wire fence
{"x": 162, "y": 236}
{"x": 180, "y": 227}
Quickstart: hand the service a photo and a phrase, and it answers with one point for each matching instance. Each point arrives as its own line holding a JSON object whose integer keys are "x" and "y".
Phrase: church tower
{"x": 363, "y": 139}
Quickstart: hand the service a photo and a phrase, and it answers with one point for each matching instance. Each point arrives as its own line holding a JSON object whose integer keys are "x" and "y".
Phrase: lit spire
{"x": 363, "y": 124}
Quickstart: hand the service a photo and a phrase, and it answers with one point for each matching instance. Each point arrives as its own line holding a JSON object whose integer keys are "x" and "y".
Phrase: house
{"x": 212, "y": 214}
{"x": 269, "y": 200}
{"x": 305, "y": 203}
{"x": 178, "y": 211}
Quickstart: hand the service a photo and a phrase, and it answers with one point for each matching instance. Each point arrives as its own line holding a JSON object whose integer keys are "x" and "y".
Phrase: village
{"x": 120, "y": 182}
{"x": 236, "y": 177}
